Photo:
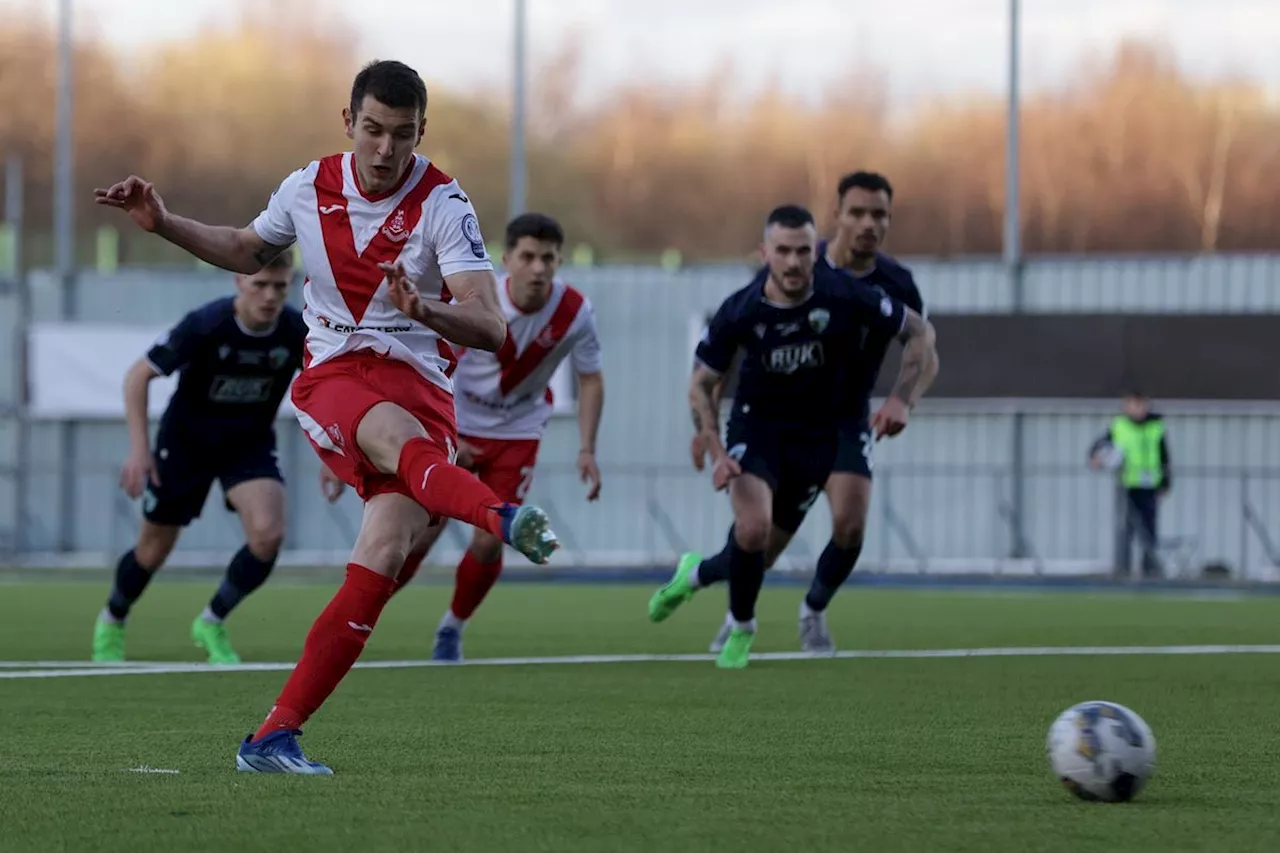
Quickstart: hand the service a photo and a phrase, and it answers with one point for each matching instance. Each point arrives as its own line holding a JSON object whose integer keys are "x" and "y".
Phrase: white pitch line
{"x": 70, "y": 669}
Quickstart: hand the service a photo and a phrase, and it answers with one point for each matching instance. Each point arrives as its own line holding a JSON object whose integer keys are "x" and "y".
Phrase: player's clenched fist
{"x": 138, "y": 198}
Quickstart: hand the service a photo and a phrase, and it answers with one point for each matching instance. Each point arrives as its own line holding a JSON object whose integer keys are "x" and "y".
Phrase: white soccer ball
{"x": 1102, "y": 751}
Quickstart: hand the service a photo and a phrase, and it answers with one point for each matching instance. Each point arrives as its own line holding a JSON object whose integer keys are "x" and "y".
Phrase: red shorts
{"x": 504, "y": 464}
{"x": 333, "y": 397}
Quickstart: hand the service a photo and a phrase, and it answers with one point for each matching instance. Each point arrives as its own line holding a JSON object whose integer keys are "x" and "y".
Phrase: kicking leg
{"x": 134, "y": 571}
{"x": 260, "y": 505}
{"x": 396, "y": 443}
{"x": 391, "y": 526}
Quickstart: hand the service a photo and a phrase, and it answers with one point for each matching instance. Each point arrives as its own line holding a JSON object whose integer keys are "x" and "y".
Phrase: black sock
{"x": 245, "y": 573}
{"x": 715, "y": 569}
{"x": 131, "y": 579}
{"x": 834, "y": 567}
{"x": 746, "y": 576}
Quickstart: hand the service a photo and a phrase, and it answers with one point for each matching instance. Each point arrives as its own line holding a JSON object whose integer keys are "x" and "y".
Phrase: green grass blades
{"x": 886, "y": 754}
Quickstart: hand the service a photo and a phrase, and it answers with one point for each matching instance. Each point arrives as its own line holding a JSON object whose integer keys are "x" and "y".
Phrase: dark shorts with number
{"x": 187, "y": 469}
{"x": 854, "y": 446}
{"x": 794, "y": 464}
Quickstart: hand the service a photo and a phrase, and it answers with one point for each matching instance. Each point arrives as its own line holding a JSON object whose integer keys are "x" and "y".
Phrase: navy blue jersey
{"x": 795, "y": 357}
{"x": 231, "y": 380}
{"x": 886, "y": 278}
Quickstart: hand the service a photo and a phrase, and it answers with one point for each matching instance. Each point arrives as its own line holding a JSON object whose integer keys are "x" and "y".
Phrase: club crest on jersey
{"x": 546, "y": 338}
{"x": 819, "y": 319}
{"x": 471, "y": 230}
{"x": 223, "y": 352}
{"x": 394, "y": 230}
{"x": 760, "y": 329}
{"x": 335, "y": 435}
{"x": 886, "y": 307}
{"x": 277, "y": 357}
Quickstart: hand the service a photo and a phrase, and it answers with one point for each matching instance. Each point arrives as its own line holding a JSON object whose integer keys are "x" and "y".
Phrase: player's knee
{"x": 847, "y": 533}
{"x": 155, "y": 544}
{"x": 265, "y": 537}
{"x": 485, "y": 547}
{"x": 752, "y": 533}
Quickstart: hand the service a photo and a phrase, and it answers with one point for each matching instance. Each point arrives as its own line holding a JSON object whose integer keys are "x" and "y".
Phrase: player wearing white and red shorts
{"x": 396, "y": 266}
{"x": 504, "y": 400}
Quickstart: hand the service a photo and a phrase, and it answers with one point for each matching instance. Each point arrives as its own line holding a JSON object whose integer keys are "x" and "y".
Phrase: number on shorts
{"x": 526, "y": 480}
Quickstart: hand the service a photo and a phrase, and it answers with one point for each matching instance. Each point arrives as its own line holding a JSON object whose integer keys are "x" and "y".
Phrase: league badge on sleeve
{"x": 471, "y": 230}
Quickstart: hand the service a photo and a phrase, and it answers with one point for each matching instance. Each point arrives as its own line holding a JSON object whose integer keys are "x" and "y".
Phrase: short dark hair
{"x": 872, "y": 181}
{"x": 537, "y": 226}
{"x": 392, "y": 83}
{"x": 789, "y": 216}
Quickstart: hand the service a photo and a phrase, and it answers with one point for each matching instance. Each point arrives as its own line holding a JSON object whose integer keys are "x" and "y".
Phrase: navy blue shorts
{"x": 795, "y": 466}
{"x": 854, "y": 446}
{"x": 187, "y": 472}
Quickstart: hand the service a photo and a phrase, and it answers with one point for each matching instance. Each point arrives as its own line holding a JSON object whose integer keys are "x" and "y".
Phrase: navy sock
{"x": 245, "y": 573}
{"x": 746, "y": 576}
{"x": 715, "y": 569}
{"x": 131, "y": 579}
{"x": 834, "y": 567}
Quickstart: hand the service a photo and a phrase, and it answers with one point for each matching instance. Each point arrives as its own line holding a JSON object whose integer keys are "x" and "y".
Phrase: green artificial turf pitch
{"x": 879, "y": 754}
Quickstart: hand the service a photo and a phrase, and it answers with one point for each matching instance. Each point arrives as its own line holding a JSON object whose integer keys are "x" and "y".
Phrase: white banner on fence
{"x": 76, "y": 372}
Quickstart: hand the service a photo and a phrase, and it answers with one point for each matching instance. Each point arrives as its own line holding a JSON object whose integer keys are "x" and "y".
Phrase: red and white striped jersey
{"x": 426, "y": 223}
{"x": 507, "y": 394}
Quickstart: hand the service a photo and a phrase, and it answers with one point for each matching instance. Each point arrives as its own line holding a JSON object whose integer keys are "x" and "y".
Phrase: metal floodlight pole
{"x": 1013, "y": 265}
{"x": 65, "y": 254}
{"x": 517, "y": 190}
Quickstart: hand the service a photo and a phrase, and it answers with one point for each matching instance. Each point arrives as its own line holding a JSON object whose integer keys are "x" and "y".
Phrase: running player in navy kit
{"x": 863, "y": 207}
{"x": 800, "y": 328}
{"x": 236, "y": 357}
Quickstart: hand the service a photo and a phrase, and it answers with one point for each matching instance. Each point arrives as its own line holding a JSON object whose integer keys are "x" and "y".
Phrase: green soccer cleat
{"x": 737, "y": 650}
{"x": 108, "y": 641}
{"x": 678, "y": 590}
{"x": 212, "y": 637}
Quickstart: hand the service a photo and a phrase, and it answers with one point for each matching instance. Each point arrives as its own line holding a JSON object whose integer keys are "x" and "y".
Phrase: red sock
{"x": 473, "y": 582}
{"x": 335, "y": 642}
{"x": 445, "y": 489}
{"x": 410, "y": 568}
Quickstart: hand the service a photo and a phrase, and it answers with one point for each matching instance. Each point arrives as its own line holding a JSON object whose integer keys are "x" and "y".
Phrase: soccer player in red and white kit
{"x": 396, "y": 266}
{"x": 504, "y": 400}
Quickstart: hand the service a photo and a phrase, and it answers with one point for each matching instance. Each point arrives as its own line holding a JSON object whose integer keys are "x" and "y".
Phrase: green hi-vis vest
{"x": 1140, "y": 444}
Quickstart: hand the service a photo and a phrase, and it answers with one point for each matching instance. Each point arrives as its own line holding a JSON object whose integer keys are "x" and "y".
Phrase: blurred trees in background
{"x": 1131, "y": 156}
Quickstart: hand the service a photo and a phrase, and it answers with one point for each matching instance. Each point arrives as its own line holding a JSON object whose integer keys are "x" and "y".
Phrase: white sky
{"x": 926, "y": 47}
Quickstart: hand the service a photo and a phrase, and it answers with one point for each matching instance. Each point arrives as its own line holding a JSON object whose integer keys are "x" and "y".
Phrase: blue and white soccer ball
{"x": 1102, "y": 751}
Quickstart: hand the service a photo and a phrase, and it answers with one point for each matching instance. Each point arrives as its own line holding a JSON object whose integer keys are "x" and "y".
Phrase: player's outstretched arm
{"x": 474, "y": 319}
{"x": 236, "y": 249}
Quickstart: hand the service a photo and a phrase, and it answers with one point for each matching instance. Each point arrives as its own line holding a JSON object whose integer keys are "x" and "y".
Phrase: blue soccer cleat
{"x": 277, "y": 752}
{"x": 448, "y": 645}
{"x": 528, "y": 530}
